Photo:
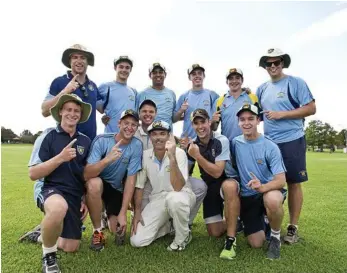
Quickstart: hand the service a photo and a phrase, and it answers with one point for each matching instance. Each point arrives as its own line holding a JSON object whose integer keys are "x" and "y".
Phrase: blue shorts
{"x": 294, "y": 158}
{"x": 72, "y": 227}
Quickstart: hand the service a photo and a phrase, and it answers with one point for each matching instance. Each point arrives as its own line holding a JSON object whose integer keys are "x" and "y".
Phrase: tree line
{"x": 8, "y": 136}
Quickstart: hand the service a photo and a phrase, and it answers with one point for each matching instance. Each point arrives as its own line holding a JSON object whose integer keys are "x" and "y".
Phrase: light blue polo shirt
{"x": 260, "y": 156}
{"x": 121, "y": 97}
{"x": 286, "y": 94}
{"x": 128, "y": 164}
{"x": 164, "y": 99}
{"x": 203, "y": 99}
{"x": 230, "y": 106}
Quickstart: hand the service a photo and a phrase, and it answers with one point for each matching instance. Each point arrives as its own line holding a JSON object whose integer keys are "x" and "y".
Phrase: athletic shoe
{"x": 119, "y": 239}
{"x": 274, "y": 249}
{"x": 267, "y": 229}
{"x": 229, "y": 251}
{"x": 98, "y": 241}
{"x": 239, "y": 227}
{"x": 176, "y": 247}
{"x": 104, "y": 221}
{"x": 49, "y": 263}
{"x": 172, "y": 228}
{"x": 292, "y": 235}
{"x": 32, "y": 235}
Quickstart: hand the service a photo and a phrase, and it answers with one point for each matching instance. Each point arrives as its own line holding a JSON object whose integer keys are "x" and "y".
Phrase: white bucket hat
{"x": 275, "y": 52}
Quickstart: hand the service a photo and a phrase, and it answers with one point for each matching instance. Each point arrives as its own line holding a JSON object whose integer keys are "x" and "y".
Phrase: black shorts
{"x": 213, "y": 203}
{"x": 72, "y": 226}
{"x": 112, "y": 199}
{"x": 252, "y": 212}
{"x": 294, "y": 158}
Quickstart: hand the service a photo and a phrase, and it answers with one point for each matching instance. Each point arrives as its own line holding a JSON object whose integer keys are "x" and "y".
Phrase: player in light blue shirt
{"x": 262, "y": 178}
{"x": 286, "y": 101}
{"x": 116, "y": 95}
{"x": 163, "y": 97}
{"x": 228, "y": 105}
{"x": 196, "y": 98}
{"x": 111, "y": 169}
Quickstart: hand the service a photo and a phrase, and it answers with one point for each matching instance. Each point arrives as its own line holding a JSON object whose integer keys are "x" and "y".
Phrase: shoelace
{"x": 50, "y": 258}
{"x": 228, "y": 244}
{"x": 291, "y": 231}
{"x": 97, "y": 238}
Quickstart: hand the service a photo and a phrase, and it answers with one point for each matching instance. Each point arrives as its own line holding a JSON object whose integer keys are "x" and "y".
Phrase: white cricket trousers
{"x": 156, "y": 216}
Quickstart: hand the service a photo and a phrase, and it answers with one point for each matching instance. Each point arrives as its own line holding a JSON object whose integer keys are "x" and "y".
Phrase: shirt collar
{"x": 142, "y": 132}
{"x": 197, "y": 140}
{"x": 60, "y": 130}
{"x": 228, "y": 94}
{"x": 70, "y": 76}
{"x": 152, "y": 155}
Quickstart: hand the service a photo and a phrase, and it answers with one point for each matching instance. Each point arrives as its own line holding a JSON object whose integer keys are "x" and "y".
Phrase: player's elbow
{"x": 32, "y": 175}
{"x": 216, "y": 174}
{"x": 45, "y": 113}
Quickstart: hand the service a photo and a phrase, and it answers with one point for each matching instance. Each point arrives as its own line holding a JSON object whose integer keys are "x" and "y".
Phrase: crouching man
{"x": 165, "y": 167}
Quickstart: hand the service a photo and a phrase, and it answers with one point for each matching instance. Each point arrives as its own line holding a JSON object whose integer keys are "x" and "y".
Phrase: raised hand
{"x": 72, "y": 85}
{"x": 115, "y": 153}
{"x": 170, "y": 147}
{"x": 216, "y": 116}
{"x": 254, "y": 183}
{"x": 193, "y": 149}
{"x": 105, "y": 119}
{"x": 184, "y": 141}
{"x": 184, "y": 105}
{"x": 68, "y": 153}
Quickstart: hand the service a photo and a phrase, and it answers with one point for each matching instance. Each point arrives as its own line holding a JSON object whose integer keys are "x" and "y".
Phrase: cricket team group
{"x": 137, "y": 164}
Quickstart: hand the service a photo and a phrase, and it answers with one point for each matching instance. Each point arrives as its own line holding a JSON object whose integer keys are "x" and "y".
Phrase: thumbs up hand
{"x": 68, "y": 153}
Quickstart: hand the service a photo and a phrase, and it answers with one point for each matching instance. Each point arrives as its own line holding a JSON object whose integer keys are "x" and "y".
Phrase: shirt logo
{"x": 270, "y": 50}
{"x": 168, "y": 99}
{"x": 125, "y": 160}
{"x": 50, "y": 191}
{"x": 131, "y": 97}
{"x": 90, "y": 87}
{"x": 280, "y": 95}
{"x": 80, "y": 149}
{"x": 213, "y": 153}
{"x": 260, "y": 161}
{"x": 302, "y": 173}
{"x": 206, "y": 103}
{"x": 167, "y": 169}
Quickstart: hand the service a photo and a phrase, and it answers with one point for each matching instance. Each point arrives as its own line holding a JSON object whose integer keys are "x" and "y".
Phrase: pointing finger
{"x": 253, "y": 176}
{"x": 119, "y": 143}
{"x": 75, "y": 77}
{"x": 71, "y": 143}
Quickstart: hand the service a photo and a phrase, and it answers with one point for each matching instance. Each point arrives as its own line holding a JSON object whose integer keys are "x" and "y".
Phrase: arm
{"x": 93, "y": 170}
{"x": 277, "y": 183}
{"x": 181, "y": 107}
{"x": 128, "y": 193}
{"x": 213, "y": 169}
{"x": 178, "y": 164}
{"x": 302, "y": 112}
{"x": 177, "y": 116}
{"x": 138, "y": 200}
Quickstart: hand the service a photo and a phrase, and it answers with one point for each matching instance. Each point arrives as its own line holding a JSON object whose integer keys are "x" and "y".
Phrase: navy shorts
{"x": 213, "y": 204}
{"x": 294, "y": 158}
{"x": 112, "y": 198}
{"x": 72, "y": 227}
{"x": 252, "y": 212}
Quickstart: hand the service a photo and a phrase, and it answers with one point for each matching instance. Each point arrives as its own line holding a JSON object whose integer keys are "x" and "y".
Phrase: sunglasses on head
{"x": 276, "y": 63}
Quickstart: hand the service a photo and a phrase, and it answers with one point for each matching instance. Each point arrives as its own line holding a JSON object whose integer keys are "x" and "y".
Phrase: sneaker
{"x": 274, "y": 249}
{"x": 292, "y": 235}
{"x": 172, "y": 228}
{"x": 176, "y": 247}
{"x": 98, "y": 241}
{"x": 267, "y": 229}
{"x": 49, "y": 263}
{"x": 32, "y": 235}
{"x": 229, "y": 251}
{"x": 104, "y": 221}
{"x": 119, "y": 239}
{"x": 239, "y": 226}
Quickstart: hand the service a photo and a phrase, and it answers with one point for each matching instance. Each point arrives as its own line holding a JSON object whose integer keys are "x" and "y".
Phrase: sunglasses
{"x": 83, "y": 89}
{"x": 276, "y": 63}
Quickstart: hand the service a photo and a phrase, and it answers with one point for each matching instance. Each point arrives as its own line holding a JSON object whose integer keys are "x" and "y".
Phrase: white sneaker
{"x": 176, "y": 247}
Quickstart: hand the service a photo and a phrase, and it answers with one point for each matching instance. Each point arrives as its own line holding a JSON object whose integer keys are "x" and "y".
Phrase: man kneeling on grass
{"x": 262, "y": 178}
{"x": 58, "y": 158}
{"x": 165, "y": 167}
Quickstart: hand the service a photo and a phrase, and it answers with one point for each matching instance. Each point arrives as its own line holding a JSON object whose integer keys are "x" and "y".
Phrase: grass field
{"x": 322, "y": 227}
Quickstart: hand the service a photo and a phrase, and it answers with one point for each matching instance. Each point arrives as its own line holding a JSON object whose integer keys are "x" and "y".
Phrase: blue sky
{"x": 216, "y": 34}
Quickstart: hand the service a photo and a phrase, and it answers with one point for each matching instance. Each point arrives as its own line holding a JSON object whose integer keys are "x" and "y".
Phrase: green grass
{"x": 322, "y": 226}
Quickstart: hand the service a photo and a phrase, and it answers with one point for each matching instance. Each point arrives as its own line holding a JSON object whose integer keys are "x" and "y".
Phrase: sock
{"x": 98, "y": 229}
{"x": 39, "y": 239}
{"x": 276, "y": 234}
{"x": 232, "y": 239}
{"x": 47, "y": 250}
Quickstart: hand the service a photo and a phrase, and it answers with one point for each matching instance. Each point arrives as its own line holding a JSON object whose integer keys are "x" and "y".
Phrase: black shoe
{"x": 274, "y": 249}
{"x": 32, "y": 235}
{"x": 239, "y": 227}
{"x": 49, "y": 263}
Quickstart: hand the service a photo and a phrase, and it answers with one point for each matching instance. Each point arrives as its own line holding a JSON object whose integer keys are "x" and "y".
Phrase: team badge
{"x": 280, "y": 95}
{"x": 167, "y": 169}
{"x": 131, "y": 97}
{"x": 260, "y": 162}
{"x": 213, "y": 153}
{"x": 90, "y": 87}
{"x": 270, "y": 50}
{"x": 80, "y": 149}
{"x": 168, "y": 99}
{"x": 303, "y": 173}
{"x": 125, "y": 160}
{"x": 206, "y": 103}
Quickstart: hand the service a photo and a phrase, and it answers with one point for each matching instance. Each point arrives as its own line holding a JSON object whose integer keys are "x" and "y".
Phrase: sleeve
{"x": 179, "y": 103}
{"x": 173, "y": 103}
{"x": 135, "y": 163}
{"x": 258, "y": 93}
{"x": 102, "y": 93}
{"x": 302, "y": 92}
{"x": 54, "y": 90}
{"x": 182, "y": 162}
{"x": 41, "y": 150}
{"x": 191, "y": 160}
{"x": 141, "y": 177}
{"x": 96, "y": 151}
{"x": 215, "y": 98}
{"x": 275, "y": 161}
{"x": 225, "y": 150}
{"x": 138, "y": 101}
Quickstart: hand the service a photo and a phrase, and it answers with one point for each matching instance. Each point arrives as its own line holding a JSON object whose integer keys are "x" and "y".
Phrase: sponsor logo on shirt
{"x": 168, "y": 99}
{"x": 303, "y": 173}
{"x": 260, "y": 161}
{"x": 167, "y": 169}
{"x": 131, "y": 97}
{"x": 280, "y": 95}
{"x": 206, "y": 103}
{"x": 80, "y": 149}
{"x": 90, "y": 87}
{"x": 125, "y": 160}
{"x": 213, "y": 152}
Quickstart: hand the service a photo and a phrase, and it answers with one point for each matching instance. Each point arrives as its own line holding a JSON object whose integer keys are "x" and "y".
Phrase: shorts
{"x": 112, "y": 199}
{"x": 72, "y": 226}
{"x": 213, "y": 204}
{"x": 252, "y": 212}
{"x": 294, "y": 158}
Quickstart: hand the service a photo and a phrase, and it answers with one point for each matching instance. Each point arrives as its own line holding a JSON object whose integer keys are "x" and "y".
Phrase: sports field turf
{"x": 323, "y": 229}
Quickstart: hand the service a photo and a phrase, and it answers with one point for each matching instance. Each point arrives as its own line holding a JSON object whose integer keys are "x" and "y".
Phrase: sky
{"x": 216, "y": 34}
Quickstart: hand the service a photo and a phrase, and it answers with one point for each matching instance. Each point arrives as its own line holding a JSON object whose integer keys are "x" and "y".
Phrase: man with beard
{"x": 196, "y": 97}
{"x": 75, "y": 81}
{"x": 262, "y": 178}
{"x": 211, "y": 151}
{"x": 165, "y": 167}
{"x": 111, "y": 158}
{"x": 58, "y": 159}
{"x": 116, "y": 95}
{"x": 286, "y": 101}
{"x": 164, "y": 98}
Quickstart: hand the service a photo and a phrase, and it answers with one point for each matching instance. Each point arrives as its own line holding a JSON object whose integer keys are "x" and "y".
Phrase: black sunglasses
{"x": 276, "y": 63}
{"x": 83, "y": 89}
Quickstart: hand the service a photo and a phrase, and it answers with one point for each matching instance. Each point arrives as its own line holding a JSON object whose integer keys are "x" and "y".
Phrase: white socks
{"x": 47, "y": 250}
{"x": 276, "y": 234}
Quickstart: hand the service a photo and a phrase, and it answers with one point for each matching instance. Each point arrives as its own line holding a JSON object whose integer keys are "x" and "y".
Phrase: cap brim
{"x": 196, "y": 68}
{"x": 232, "y": 73}
{"x": 86, "y": 108}
{"x": 286, "y": 60}
{"x": 130, "y": 115}
{"x": 246, "y": 110}
{"x": 66, "y": 56}
{"x": 124, "y": 60}
{"x": 199, "y": 116}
